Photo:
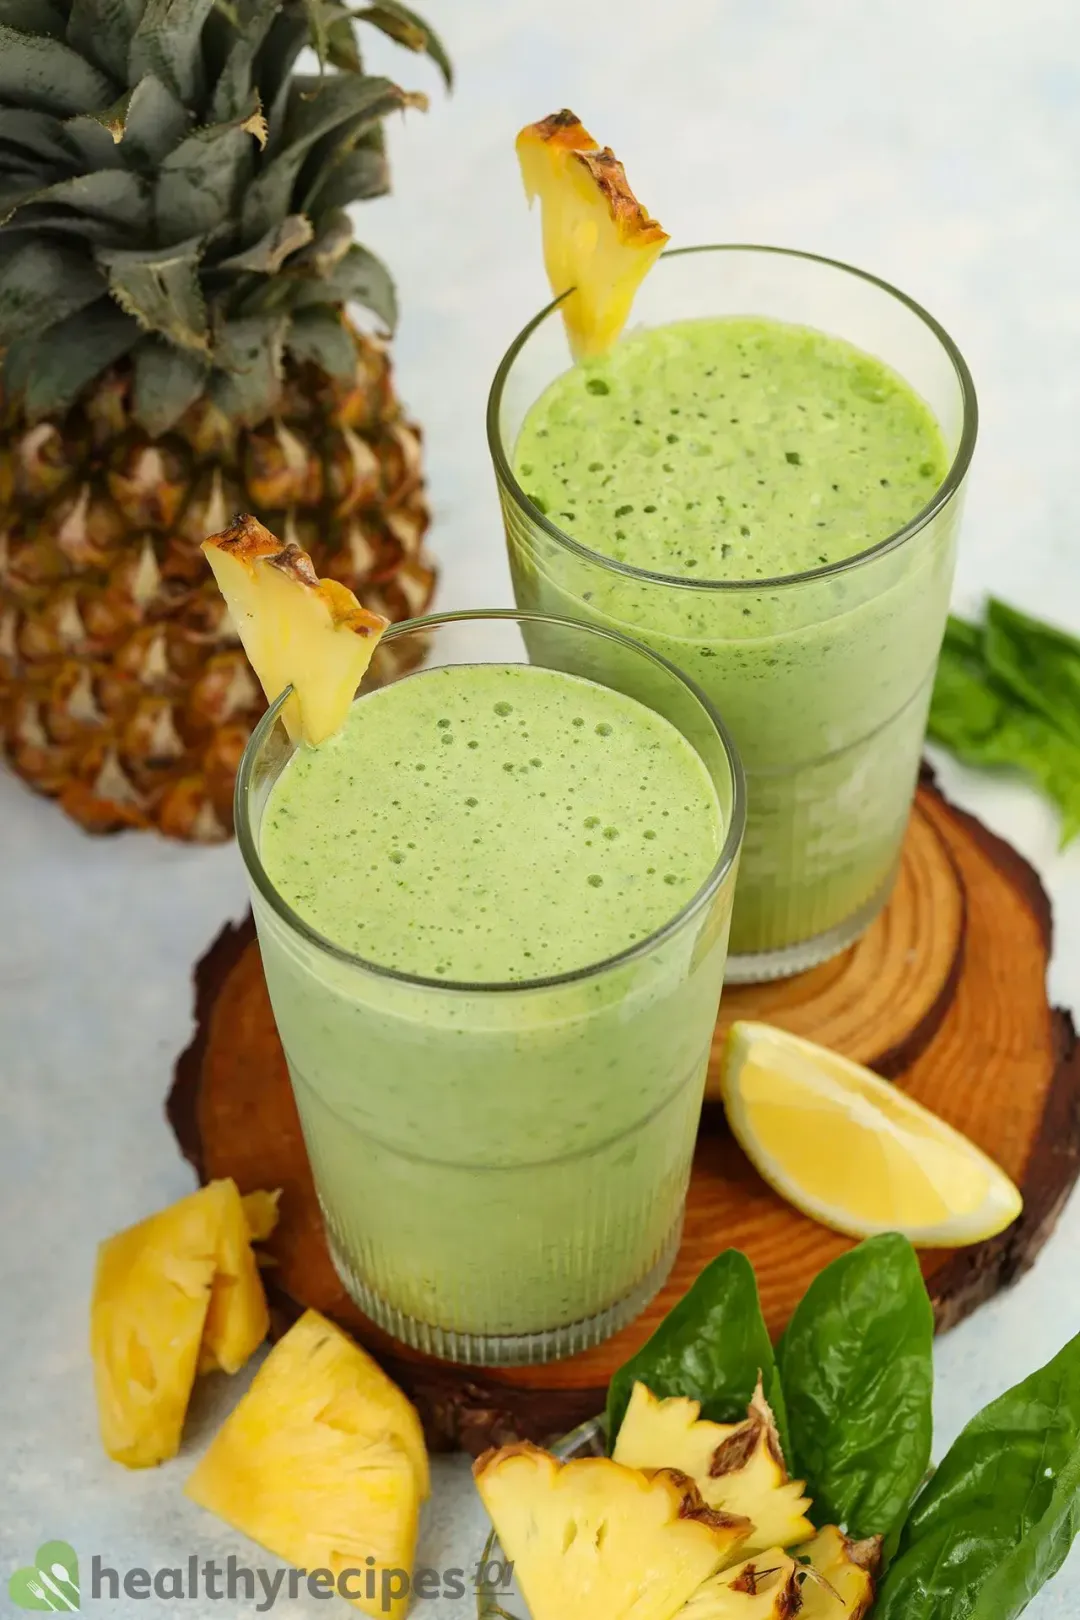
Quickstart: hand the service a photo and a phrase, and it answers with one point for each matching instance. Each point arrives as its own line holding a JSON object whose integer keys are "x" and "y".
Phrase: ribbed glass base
{"x": 760, "y": 966}
{"x": 507, "y": 1349}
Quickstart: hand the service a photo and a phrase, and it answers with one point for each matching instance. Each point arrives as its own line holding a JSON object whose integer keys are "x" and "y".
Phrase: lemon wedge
{"x": 854, "y": 1152}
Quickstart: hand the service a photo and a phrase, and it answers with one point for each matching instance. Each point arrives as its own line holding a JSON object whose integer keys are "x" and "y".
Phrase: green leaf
{"x": 42, "y": 282}
{"x": 1037, "y": 662}
{"x": 360, "y": 278}
{"x": 410, "y": 30}
{"x": 1001, "y": 1512}
{"x": 236, "y": 81}
{"x": 154, "y": 125}
{"x": 160, "y": 289}
{"x": 200, "y": 183}
{"x": 44, "y": 73}
{"x": 269, "y": 253}
{"x": 51, "y": 369}
{"x": 711, "y": 1346}
{"x": 316, "y": 107}
{"x": 102, "y": 30}
{"x": 36, "y": 134}
{"x": 318, "y": 335}
{"x": 167, "y": 43}
{"x": 342, "y": 50}
{"x": 167, "y": 381}
{"x": 34, "y": 16}
{"x": 857, "y": 1368}
{"x": 273, "y": 68}
{"x": 982, "y": 722}
{"x": 93, "y": 138}
{"x": 112, "y": 196}
{"x": 355, "y": 174}
{"x": 249, "y": 356}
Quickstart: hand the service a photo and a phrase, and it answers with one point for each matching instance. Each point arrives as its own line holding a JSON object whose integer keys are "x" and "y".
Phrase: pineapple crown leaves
{"x": 172, "y": 191}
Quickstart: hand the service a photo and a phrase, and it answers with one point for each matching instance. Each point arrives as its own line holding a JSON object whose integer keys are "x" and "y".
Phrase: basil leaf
{"x": 857, "y": 1368}
{"x": 983, "y": 722}
{"x": 711, "y": 1347}
{"x": 1000, "y": 1514}
{"x": 1037, "y": 662}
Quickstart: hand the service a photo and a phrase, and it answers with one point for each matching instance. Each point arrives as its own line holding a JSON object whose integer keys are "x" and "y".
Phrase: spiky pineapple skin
{"x": 124, "y": 692}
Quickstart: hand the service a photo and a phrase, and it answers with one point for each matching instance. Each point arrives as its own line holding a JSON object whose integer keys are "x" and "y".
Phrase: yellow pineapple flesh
{"x": 323, "y": 1463}
{"x": 846, "y": 1569}
{"x": 296, "y": 629}
{"x": 176, "y": 1294}
{"x": 598, "y": 240}
{"x": 765, "y": 1587}
{"x": 738, "y": 1467}
{"x": 590, "y": 1538}
{"x": 237, "y": 1320}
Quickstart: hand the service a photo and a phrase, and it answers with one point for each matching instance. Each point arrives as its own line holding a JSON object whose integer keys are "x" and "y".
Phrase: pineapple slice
{"x": 598, "y": 240}
{"x": 297, "y": 630}
{"x": 237, "y": 1320}
{"x": 765, "y": 1587}
{"x": 738, "y": 1467}
{"x": 323, "y": 1463}
{"x": 178, "y": 1291}
{"x": 844, "y": 1588}
{"x": 591, "y": 1538}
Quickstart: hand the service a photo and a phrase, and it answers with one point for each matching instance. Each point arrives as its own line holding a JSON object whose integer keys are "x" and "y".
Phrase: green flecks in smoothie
{"x": 792, "y": 449}
{"x": 503, "y": 879}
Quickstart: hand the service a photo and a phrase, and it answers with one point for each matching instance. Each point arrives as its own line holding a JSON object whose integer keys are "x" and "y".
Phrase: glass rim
{"x": 733, "y": 834}
{"x": 941, "y": 497}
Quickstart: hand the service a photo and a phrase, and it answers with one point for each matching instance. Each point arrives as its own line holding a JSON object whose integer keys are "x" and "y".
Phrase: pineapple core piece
{"x": 323, "y": 1463}
{"x": 178, "y": 1293}
{"x": 590, "y": 1538}
{"x": 296, "y": 629}
{"x": 845, "y": 1569}
{"x": 598, "y": 239}
{"x": 765, "y": 1587}
{"x": 738, "y": 1467}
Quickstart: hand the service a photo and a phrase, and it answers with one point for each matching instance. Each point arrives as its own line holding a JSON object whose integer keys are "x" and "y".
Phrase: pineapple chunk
{"x": 296, "y": 629}
{"x": 176, "y": 1292}
{"x": 598, "y": 240}
{"x": 591, "y": 1538}
{"x": 765, "y": 1587}
{"x": 844, "y": 1589}
{"x": 323, "y": 1463}
{"x": 738, "y": 1467}
{"x": 237, "y": 1320}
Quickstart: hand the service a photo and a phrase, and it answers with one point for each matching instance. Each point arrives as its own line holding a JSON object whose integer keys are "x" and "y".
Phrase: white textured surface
{"x": 934, "y": 143}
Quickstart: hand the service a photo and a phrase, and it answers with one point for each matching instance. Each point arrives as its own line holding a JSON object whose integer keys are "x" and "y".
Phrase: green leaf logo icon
{"x": 51, "y": 1583}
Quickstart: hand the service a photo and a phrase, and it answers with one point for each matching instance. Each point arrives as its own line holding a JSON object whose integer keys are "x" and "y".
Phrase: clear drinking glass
{"x": 502, "y": 1167}
{"x": 824, "y": 677}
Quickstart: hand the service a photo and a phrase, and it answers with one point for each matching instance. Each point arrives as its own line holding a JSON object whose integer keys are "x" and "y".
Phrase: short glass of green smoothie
{"x": 493, "y": 911}
{"x": 762, "y": 481}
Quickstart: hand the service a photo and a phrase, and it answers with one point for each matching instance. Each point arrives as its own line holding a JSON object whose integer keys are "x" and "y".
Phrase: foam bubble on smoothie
{"x": 492, "y": 823}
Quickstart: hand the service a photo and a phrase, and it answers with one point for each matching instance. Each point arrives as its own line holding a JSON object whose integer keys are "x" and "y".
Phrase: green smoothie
{"x": 495, "y": 1163}
{"x": 729, "y": 455}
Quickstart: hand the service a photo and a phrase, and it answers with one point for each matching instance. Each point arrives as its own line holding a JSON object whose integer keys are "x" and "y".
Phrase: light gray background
{"x": 933, "y": 141}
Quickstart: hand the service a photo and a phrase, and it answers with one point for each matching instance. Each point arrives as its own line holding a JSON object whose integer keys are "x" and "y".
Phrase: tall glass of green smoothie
{"x": 763, "y": 482}
{"x": 493, "y": 911}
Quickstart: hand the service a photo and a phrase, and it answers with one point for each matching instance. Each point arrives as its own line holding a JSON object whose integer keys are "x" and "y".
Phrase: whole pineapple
{"x": 175, "y": 262}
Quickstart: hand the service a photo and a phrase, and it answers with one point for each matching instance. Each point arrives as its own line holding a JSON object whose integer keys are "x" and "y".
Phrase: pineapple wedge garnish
{"x": 323, "y": 1463}
{"x": 765, "y": 1587}
{"x": 844, "y": 1587}
{"x": 598, "y": 239}
{"x": 738, "y": 1467}
{"x": 176, "y": 1294}
{"x": 590, "y": 1538}
{"x": 296, "y": 629}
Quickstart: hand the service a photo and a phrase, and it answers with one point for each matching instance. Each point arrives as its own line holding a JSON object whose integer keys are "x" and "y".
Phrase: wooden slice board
{"x": 946, "y": 993}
